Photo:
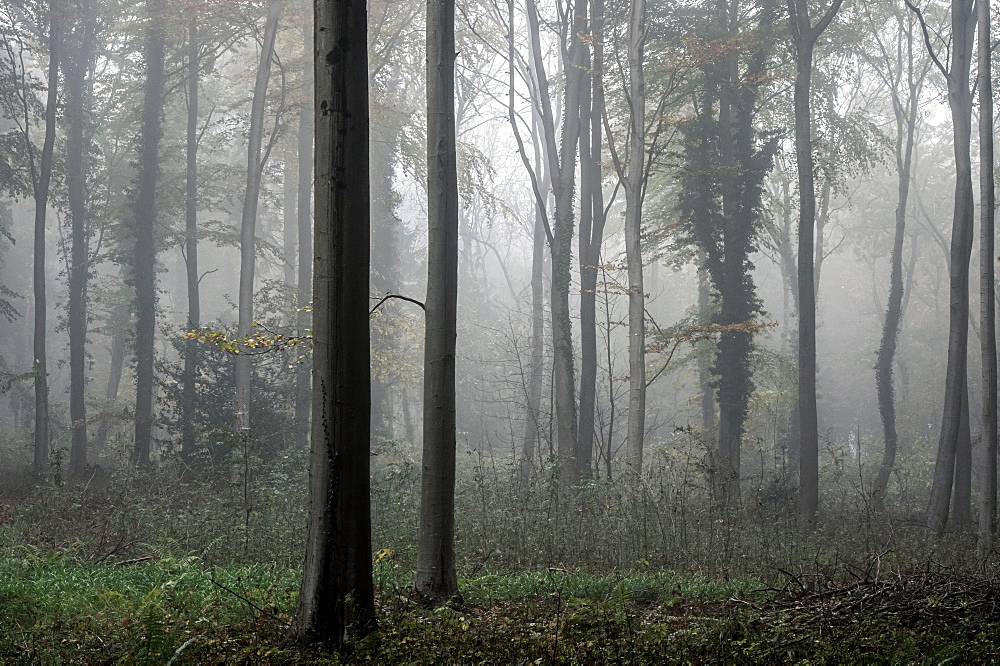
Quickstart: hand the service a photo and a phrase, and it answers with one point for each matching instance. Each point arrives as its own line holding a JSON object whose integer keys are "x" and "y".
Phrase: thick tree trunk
{"x": 248, "y": 223}
{"x": 961, "y": 513}
{"x": 436, "y": 578}
{"x": 906, "y": 123}
{"x": 144, "y": 268}
{"x": 41, "y": 191}
{"x": 805, "y": 36}
{"x": 78, "y": 91}
{"x": 987, "y": 284}
{"x": 192, "y": 351}
{"x": 633, "y": 237}
{"x": 960, "y": 102}
{"x": 336, "y": 604}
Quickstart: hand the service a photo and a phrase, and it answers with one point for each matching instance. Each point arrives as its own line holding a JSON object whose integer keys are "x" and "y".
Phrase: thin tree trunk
{"x": 987, "y": 284}
{"x": 704, "y": 364}
{"x": 962, "y": 501}
{"x": 805, "y": 36}
{"x": 960, "y": 102}
{"x": 144, "y": 269}
{"x": 436, "y": 578}
{"x": 289, "y": 221}
{"x": 906, "y": 122}
{"x": 41, "y": 191}
{"x": 116, "y": 365}
{"x": 336, "y": 603}
{"x": 248, "y": 223}
{"x": 636, "y": 429}
{"x": 192, "y": 349}
{"x": 303, "y": 378}
{"x": 78, "y": 86}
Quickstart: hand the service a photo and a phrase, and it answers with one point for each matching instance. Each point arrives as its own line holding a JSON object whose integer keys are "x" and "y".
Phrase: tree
{"x": 144, "y": 223}
{"x": 191, "y": 345}
{"x": 804, "y": 36}
{"x": 79, "y": 84}
{"x": 987, "y": 298}
{"x": 336, "y": 603}
{"x": 248, "y": 224}
{"x": 956, "y": 75}
{"x": 436, "y": 577}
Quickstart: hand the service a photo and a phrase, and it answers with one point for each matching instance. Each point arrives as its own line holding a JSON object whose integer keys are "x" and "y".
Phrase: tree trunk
{"x": 636, "y": 429}
{"x": 144, "y": 269}
{"x": 192, "y": 351}
{"x": 436, "y": 578}
{"x": 987, "y": 284}
{"x": 303, "y": 377}
{"x": 289, "y": 222}
{"x": 78, "y": 92}
{"x": 906, "y": 123}
{"x": 119, "y": 335}
{"x": 805, "y": 36}
{"x": 960, "y": 103}
{"x": 248, "y": 223}
{"x": 962, "y": 501}
{"x": 336, "y": 603}
{"x": 41, "y": 192}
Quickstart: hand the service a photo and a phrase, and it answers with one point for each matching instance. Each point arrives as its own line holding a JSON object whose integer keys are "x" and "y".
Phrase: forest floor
{"x": 179, "y": 611}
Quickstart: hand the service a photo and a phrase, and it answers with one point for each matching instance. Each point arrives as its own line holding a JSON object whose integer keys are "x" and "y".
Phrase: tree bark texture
{"x": 248, "y": 222}
{"x": 144, "y": 268}
{"x": 436, "y": 578}
{"x": 336, "y": 602}
{"x": 303, "y": 212}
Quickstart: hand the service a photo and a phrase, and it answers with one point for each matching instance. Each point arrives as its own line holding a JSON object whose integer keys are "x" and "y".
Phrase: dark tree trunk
{"x": 248, "y": 223}
{"x": 906, "y": 123}
{"x": 336, "y": 604}
{"x": 78, "y": 91}
{"x": 962, "y": 510}
{"x": 144, "y": 268}
{"x": 40, "y": 182}
{"x": 436, "y": 578}
{"x": 960, "y": 102}
{"x": 189, "y": 399}
{"x": 987, "y": 283}
{"x": 804, "y": 35}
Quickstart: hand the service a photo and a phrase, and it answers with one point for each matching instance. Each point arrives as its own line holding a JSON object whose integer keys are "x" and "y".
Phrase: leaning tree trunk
{"x": 248, "y": 223}
{"x": 336, "y": 603}
{"x": 960, "y": 103}
{"x": 41, "y": 191}
{"x": 636, "y": 429}
{"x": 144, "y": 268}
{"x": 906, "y": 125}
{"x": 805, "y": 35}
{"x": 189, "y": 395}
{"x": 987, "y": 284}
{"x": 78, "y": 85}
{"x": 436, "y": 578}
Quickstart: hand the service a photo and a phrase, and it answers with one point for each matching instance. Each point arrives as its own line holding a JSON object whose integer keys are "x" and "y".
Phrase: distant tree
{"x": 804, "y": 37}
{"x": 256, "y": 161}
{"x": 436, "y": 578}
{"x": 191, "y": 347}
{"x": 336, "y": 603}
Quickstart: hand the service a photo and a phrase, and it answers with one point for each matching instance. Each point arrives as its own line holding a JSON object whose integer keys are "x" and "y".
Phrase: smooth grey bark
{"x": 40, "y": 184}
{"x": 78, "y": 92}
{"x": 289, "y": 221}
{"x": 436, "y": 578}
{"x": 960, "y": 103}
{"x": 248, "y": 222}
{"x": 906, "y": 124}
{"x": 116, "y": 364}
{"x": 987, "y": 283}
{"x": 961, "y": 510}
{"x": 336, "y": 603}
{"x": 804, "y": 36}
{"x": 192, "y": 351}
{"x": 144, "y": 268}
{"x": 634, "y": 189}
